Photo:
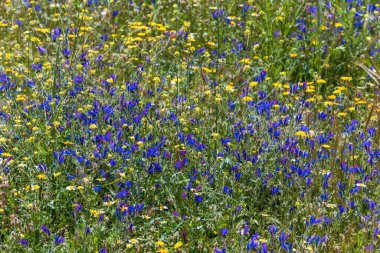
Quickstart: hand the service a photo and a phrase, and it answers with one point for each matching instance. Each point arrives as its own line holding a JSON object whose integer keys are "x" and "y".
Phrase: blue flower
{"x": 59, "y": 239}
{"x": 224, "y": 231}
{"x": 198, "y": 198}
{"x": 45, "y": 230}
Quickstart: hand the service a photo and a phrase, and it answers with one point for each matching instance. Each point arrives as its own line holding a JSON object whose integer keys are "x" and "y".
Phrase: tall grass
{"x": 189, "y": 126}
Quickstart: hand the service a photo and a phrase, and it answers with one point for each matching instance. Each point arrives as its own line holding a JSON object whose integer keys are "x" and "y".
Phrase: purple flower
{"x": 41, "y": 50}
{"x": 23, "y": 241}
{"x": 59, "y": 239}
{"x": 77, "y": 207}
{"x": 312, "y": 10}
{"x": 198, "y": 198}
{"x": 218, "y": 13}
{"x": 88, "y": 230}
{"x": 19, "y": 23}
{"x": 276, "y": 33}
{"x": 272, "y": 230}
{"x": 45, "y": 230}
{"x": 227, "y": 190}
{"x": 78, "y": 79}
{"x": 102, "y": 250}
{"x": 66, "y": 51}
{"x": 56, "y": 32}
{"x": 224, "y": 231}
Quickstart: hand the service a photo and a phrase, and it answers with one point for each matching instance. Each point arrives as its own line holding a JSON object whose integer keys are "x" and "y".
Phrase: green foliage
{"x": 189, "y": 126}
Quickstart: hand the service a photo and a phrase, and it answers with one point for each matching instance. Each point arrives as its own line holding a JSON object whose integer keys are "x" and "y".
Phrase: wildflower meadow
{"x": 189, "y": 126}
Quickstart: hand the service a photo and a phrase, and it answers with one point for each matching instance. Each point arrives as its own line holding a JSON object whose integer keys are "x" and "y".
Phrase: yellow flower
{"x": 355, "y": 157}
{"x": 207, "y": 70}
{"x": 70, "y": 188}
{"x": 56, "y": 174}
{"x": 86, "y": 180}
{"x": 109, "y": 203}
{"x": 93, "y": 126}
{"x": 215, "y": 135}
{"x": 337, "y": 25}
{"x": 160, "y": 243}
{"x": 338, "y": 91}
{"x": 247, "y": 99}
{"x": 301, "y": 134}
{"x": 34, "y": 187}
{"x": 346, "y": 78}
{"x": 43, "y": 30}
{"x": 177, "y": 245}
{"x": 6, "y": 154}
{"x": 293, "y": 55}
{"x": 253, "y": 84}
{"x": 21, "y": 98}
{"x": 342, "y": 88}
{"x": 325, "y": 146}
{"x": 360, "y": 102}
{"x": 230, "y": 87}
{"x": 212, "y": 44}
{"x": 41, "y": 176}
{"x": 133, "y": 241}
{"x": 246, "y": 61}
{"x": 94, "y": 212}
{"x": 321, "y": 81}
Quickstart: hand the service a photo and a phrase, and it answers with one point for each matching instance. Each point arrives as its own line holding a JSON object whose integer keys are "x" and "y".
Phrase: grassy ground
{"x": 189, "y": 126}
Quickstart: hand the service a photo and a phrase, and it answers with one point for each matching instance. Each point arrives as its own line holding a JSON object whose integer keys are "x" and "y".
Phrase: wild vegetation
{"x": 189, "y": 126}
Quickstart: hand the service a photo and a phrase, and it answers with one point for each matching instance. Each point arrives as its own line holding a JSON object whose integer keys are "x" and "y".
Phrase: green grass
{"x": 189, "y": 126}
